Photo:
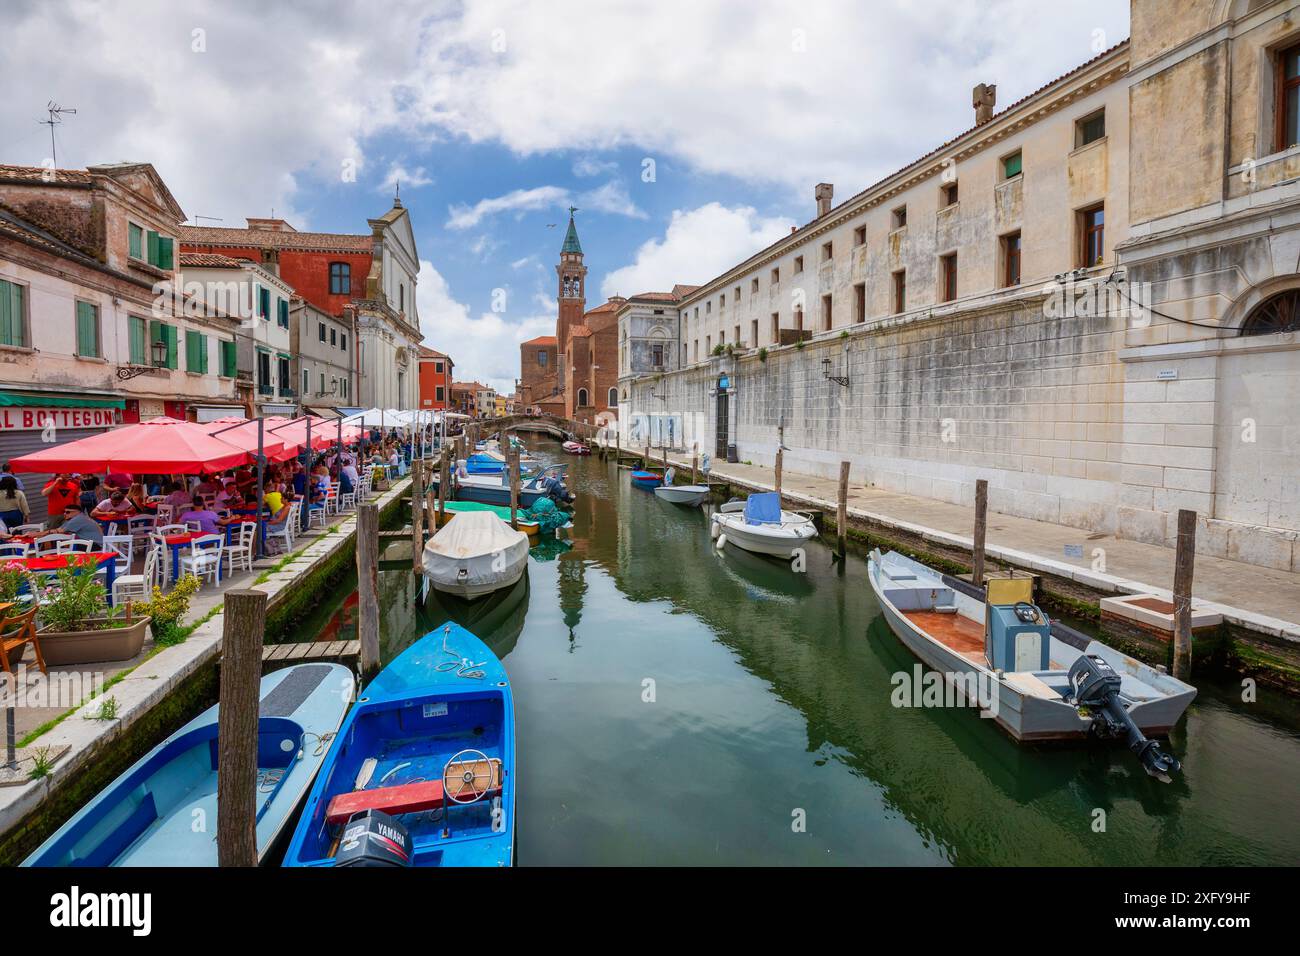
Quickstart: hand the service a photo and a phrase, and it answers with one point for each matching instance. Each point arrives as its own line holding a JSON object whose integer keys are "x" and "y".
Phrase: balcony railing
{"x": 264, "y": 389}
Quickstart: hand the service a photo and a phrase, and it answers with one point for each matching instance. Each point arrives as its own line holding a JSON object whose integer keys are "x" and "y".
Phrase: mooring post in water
{"x": 779, "y": 462}
{"x": 417, "y": 512}
{"x": 444, "y": 485}
{"x": 695, "y": 462}
{"x": 241, "y": 676}
{"x": 646, "y": 460}
{"x": 368, "y": 588}
{"x": 981, "y": 526}
{"x": 842, "y": 512}
{"x": 431, "y": 507}
{"x": 1184, "y": 562}
{"x": 513, "y": 460}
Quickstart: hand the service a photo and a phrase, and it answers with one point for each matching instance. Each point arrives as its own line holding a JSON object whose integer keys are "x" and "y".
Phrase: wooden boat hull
{"x": 1023, "y": 708}
{"x": 410, "y": 721}
{"x": 146, "y": 816}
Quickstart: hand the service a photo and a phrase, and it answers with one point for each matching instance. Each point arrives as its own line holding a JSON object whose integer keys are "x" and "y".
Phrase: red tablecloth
{"x": 175, "y": 539}
{"x": 52, "y": 562}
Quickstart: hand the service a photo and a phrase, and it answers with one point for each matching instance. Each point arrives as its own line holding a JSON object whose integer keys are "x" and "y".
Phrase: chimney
{"x": 982, "y": 98}
{"x": 823, "y": 194}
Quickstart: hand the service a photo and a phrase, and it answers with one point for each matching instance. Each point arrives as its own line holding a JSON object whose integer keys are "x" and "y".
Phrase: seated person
{"x": 207, "y": 486}
{"x": 178, "y": 497}
{"x": 203, "y": 514}
{"x": 273, "y": 500}
{"x": 114, "y": 506}
{"x": 138, "y": 497}
{"x": 80, "y": 525}
{"x": 280, "y": 515}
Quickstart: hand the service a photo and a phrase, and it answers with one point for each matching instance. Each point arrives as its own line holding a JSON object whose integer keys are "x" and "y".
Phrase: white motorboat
{"x": 758, "y": 524}
{"x": 474, "y": 555}
{"x": 690, "y": 496}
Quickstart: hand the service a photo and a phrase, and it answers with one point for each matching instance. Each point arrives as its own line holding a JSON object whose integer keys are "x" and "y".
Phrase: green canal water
{"x": 679, "y": 706}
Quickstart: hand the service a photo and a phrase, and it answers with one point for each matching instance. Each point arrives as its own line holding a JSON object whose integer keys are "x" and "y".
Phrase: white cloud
{"x": 517, "y": 200}
{"x": 698, "y": 245}
{"x": 612, "y": 198}
{"x": 399, "y": 175}
{"x": 591, "y": 166}
{"x": 483, "y": 347}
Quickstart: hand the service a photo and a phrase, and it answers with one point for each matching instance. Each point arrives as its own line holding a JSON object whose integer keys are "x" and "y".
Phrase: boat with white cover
{"x": 474, "y": 555}
{"x": 690, "y": 496}
{"x": 759, "y": 525}
{"x": 1037, "y": 679}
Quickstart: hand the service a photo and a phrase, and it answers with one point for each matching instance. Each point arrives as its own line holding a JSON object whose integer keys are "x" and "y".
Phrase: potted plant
{"x": 165, "y": 611}
{"x": 77, "y": 625}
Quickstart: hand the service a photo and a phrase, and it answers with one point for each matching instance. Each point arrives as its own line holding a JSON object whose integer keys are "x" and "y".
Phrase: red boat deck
{"x": 957, "y": 633}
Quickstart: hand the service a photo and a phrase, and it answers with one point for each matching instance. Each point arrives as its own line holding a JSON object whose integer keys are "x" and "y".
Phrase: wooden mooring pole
{"x": 780, "y": 460}
{"x": 513, "y": 460}
{"x": 431, "y": 506}
{"x": 981, "y": 526}
{"x": 368, "y": 588}
{"x": 695, "y": 463}
{"x": 1184, "y": 564}
{"x": 417, "y": 513}
{"x": 444, "y": 484}
{"x": 241, "y": 676}
{"x": 842, "y": 512}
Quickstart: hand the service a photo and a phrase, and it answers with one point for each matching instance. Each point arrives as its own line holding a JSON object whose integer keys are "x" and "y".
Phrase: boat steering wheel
{"x": 469, "y": 782}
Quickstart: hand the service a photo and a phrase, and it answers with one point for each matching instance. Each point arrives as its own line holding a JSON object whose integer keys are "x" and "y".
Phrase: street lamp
{"x": 826, "y": 374}
{"x": 158, "y": 352}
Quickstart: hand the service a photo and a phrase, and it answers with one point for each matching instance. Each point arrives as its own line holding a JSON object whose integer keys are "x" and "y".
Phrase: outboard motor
{"x": 1094, "y": 686}
{"x": 373, "y": 838}
{"x": 557, "y": 491}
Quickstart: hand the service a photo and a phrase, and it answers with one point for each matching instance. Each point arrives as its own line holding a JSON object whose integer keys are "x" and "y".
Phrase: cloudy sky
{"x": 689, "y": 133}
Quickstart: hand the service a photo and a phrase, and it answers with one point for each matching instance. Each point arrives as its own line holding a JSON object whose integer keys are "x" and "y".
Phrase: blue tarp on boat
{"x": 763, "y": 508}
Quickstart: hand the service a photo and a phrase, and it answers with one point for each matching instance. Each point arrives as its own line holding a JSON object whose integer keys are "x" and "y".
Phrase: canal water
{"x": 680, "y": 706}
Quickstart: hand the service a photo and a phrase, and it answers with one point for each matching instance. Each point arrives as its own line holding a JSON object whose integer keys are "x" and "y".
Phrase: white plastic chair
{"x": 75, "y": 546}
{"x": 285, "y": 531}
{"x": 50, "y": 544}
{"x": 27, "y": 529}
{"x": 166, "y": 514}
{"x": 203, "y": 557}
{"x": 240, "y": 550}
{"x": 169, "y": 529}
{"x": 124, "y": 545}
{"x": 140, "y": 527}
{"x": 138, "y": 585}
{"x": 14, "y": 549}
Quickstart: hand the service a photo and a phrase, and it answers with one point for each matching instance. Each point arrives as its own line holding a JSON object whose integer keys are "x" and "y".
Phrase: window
{"x": 1091, "y": 236}
{"x": 582, "y": 397}
{"x": 541, "y": 358}
{"x": 776, "y": 328}
{"x": 87, "y": 330}
{"x": 438, "y": 393}
{"x": 722, "y": 337}
{"x": 708, "y": 307}
{"x": 13, "y": 314}
{"x": 613, "y": 396}
{"x": 695, "y": 348}
{"x": 948, "y": 194}
{"x": 1011, "y": 259}
{"x": 798, "y": 264}
{"x": 282, "y": 373}
{"x": 656, "y": 356}
{"x": 900, "y": 290}
{"x": 401, "y": 297}
{"x": 340, "y": 278}
{"x": 798, "y": 317}
{"x": 282, "y": 310}
{"x": 722, "y": 301}
{"x": 753, "y": 286}
{"x": 320, "y": 331}
{"x": 138, "y": 334}
{"x": 828, "y": 251}
{"x": 948, "y": 273}
{"x": 159, "y": 250}
{"x": 134, "y": 241}
{"x": 826, "y": 313}
{"x": 306, "y": 381}
{"x": 229, "y": 367}
{"x": 1279, "y": 313}
{"x": 263, "y": 302}
{"x": 334, "y": 336}
{"x": 437, "y": 368}
{"x": 1011, "y": 165}
{"x": 322, "y": 384}
{"x": 899, "y": 217}
{"x": 196, "y": 352}
{"x": 166, "y": 334}
{"x": 753, "y": 332}
{"x": 860, "y": 302}
{"x": 860, "y": 236}
{"x": 776, "y": 276}
{"x": 343, "y": 341}
{"x": 1090, "y": 129}
{"x": 264, "y": 372}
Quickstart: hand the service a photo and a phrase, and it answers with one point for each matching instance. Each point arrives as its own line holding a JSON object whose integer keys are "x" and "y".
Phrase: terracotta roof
{"x": 37, "y": 174}
{"x": 273, "y": 239}
{"x": 426, "y": 352}
{"x": 14, "y": 226}
{"x": 610, "y": 306}
{"x": 579, "y": 331}
{"x": 209, "y": 259}
{"x": 542, "y": 340}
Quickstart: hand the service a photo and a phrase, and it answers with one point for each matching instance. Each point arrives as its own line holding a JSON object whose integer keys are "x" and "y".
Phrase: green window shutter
{"x": 169, "y": 336}
{"x": 152, "y": 256}
{"x": 87, "y": 330}
{"x": 284, "y": 313}
{"x": 191, "y": 351}
{"x": 228, "y": 367}
{"x": 164, "y": 253}
{"x": 203, "y": 354}
{"x": 1011, "y": 166}
{"x": 136, "y": 240}
{"x": 139, "y": 349}
{"x": 11, "y": 314}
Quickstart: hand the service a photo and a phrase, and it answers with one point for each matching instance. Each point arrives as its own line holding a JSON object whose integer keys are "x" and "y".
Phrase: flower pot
{"x": 94, "y": 645}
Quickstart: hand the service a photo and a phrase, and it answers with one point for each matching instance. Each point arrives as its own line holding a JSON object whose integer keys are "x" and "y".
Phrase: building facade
{"x": 324, "y": 360}
{"x": 1087, "y": 299}
{"x": 436, "y": 369}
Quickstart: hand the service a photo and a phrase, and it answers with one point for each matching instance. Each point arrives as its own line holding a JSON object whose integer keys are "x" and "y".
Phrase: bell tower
{"x": 572, "y": 289}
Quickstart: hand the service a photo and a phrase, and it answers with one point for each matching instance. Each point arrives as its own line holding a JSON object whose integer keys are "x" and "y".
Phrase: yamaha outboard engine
{"x": 373, "y": 838}
{"x": 1094, "y": 685}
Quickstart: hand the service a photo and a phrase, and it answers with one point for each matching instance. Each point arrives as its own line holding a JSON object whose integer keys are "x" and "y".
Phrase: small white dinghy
{"x": 474, "y": 555}
{"x": 759, "y": 525}
{"x": 690, "y": 496}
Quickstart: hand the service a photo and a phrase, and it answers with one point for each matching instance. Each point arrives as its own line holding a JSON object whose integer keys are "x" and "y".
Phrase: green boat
{"x": 530, "y": 528}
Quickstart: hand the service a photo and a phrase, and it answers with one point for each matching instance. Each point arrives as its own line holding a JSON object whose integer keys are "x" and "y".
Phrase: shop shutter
{"x": 14, "y": 444}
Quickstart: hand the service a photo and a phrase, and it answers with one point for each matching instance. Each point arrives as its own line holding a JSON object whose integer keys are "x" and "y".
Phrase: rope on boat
{"x": 463, "y": 666}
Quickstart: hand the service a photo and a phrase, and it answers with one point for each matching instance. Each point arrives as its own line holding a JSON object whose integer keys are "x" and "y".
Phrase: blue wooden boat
{"x": 647, "y": 479}
{"x": 431, "y": 744}
{"x": 495, "y": 489}
{"x": 163, "y": 810}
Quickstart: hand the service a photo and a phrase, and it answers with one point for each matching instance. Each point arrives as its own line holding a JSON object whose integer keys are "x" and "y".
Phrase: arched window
{"x": 340, "y": 278}
{"x": 1278, "y": 313}
{"x": 613, "y": 398}
{"x": 582, "y": 398}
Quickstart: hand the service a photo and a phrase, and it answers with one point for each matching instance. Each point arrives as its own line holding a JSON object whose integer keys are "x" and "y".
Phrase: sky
{"x": 689, "y": 134}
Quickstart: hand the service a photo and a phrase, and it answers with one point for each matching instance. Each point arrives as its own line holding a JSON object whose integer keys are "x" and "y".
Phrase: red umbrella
{"x": 295, "y": 433}
{"x": 160, "y": 446}
{"x": 243, "y": 432}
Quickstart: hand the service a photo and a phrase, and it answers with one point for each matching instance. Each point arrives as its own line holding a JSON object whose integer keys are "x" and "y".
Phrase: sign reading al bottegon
{"x": 27, "y": 419}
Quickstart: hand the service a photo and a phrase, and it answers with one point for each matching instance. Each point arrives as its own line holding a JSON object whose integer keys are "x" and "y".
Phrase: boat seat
{"x": 402, "y": 798}
{"x": 121, "y": 836}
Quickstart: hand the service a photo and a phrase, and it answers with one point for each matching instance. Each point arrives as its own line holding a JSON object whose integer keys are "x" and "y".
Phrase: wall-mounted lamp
{"x": 826, "y": 374}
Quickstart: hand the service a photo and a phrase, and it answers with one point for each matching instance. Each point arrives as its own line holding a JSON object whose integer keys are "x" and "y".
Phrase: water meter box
{"x": 1014, "y": 644}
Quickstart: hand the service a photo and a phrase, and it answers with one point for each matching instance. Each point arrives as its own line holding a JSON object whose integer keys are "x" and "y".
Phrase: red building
{"x": 435, "y": 379}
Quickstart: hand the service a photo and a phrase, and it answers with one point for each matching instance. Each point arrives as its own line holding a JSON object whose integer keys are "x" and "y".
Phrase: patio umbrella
{"x": 160, "y": 446}
{"x": 243, "y": 433}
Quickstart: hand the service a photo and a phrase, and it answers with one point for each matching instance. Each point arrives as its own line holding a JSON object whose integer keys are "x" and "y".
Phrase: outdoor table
{"x": 178, "y": 541}
{"x": 53, "y": 562}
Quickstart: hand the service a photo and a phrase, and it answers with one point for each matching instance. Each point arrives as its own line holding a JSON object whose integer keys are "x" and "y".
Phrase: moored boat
{"x": 690, "y": 496}
{"x": 495, "y": 489}
{"x": 759, "y": 525}
{"x": 1039, "y": 681}
{"x": 576, "y": 448}
{"x": 422, "y": 772}
{"x": 146, "y": 816}
{"x": 647, "y": 479}
{"x": 453, "y": 508}
{"x": 474, "y": 555}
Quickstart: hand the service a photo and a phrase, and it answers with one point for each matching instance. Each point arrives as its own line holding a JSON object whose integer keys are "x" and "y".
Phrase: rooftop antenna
{"x": 209, "y": 218}
{"x": 55, "y": 112}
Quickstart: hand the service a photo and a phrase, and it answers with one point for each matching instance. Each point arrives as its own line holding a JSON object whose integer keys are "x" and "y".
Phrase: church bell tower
{"x": 571, "y": 291}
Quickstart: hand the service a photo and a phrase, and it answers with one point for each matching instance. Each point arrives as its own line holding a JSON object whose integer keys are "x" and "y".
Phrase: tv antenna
{"x": 55, "y": 112}
{"x": 209, "y": 218}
